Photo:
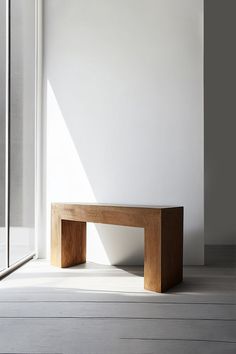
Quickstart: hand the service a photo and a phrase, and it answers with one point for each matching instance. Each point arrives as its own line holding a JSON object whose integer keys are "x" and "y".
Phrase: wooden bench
{"x": 163, "y": 234}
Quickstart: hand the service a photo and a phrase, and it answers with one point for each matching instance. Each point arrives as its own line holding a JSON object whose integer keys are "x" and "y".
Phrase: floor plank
{"x": 93, "y": 309}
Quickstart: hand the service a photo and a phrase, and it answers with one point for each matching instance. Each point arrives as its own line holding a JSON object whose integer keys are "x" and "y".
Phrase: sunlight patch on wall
{"x": 66, "y": 178}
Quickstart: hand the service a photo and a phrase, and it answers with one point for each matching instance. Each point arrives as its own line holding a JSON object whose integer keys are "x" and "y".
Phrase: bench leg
{"x": 163, "y": 251}
{"x": 152, "y": 257}
{"x": 68, "y": 243}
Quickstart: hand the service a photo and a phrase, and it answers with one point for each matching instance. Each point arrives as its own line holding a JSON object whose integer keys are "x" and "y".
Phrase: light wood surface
{"x": 163, "y": 234}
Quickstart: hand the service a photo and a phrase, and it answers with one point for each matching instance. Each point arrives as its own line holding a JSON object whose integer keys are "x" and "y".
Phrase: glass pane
{"x": 22, "y": 129}
{"x": 2, "y": 133}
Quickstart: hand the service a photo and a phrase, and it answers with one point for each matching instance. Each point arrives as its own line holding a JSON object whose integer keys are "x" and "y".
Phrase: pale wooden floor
{"x": 104, "y": 310}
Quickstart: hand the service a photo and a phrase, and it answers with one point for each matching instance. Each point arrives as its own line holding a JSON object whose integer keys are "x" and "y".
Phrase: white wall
{"x": 123, "y": 102}
{"x": 220, "y": 122}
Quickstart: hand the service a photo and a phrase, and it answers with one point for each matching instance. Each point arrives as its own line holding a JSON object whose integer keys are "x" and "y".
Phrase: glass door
{"x": 17, "y": 131}
{"x": 22, "y": 130}
{"x": 3, "y": 245}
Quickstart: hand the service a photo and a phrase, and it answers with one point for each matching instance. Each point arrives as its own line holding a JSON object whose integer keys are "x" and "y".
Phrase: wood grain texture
{"x": 73, "y": 243}
{"x": 152, "y": 256}
{"x": 163, "y": 232}
{"x": 171, "y": 247}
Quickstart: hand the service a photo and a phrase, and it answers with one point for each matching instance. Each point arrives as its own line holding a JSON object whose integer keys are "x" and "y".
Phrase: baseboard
{"x": 220, "y": 255}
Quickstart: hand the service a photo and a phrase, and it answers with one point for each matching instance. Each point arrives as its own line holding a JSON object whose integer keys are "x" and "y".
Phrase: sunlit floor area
{"x": 21, "y": 244}
{"x": 99, "y": 309}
